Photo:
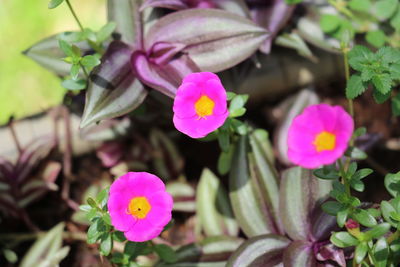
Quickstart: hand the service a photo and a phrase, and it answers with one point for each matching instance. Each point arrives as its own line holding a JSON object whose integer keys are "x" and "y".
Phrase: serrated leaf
{"x": 208, "y": 32}
{"x": 113, "y": 91}
{"x": 382, "y": 82}
{"x": 359, "y": 56}
{"x": 213, "y": 206}
{"x": 379, "y": 97}
{"x": 355, "y": 87}
{"x": 265, "y": 249}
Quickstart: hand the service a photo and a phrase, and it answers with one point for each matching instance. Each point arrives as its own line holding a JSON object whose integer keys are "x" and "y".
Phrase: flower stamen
{"x": 204, "y": 106}
{"x": 325, "y": 141}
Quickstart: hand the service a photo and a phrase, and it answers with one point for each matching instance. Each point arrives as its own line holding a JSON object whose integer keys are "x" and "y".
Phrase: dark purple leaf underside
{"x": 170, "y": 4}
{"x": 300, "y": 194}
{"x": 32, "y": 155}
{"x": 113, "y": 90}
{"x": 259, "y": 251}
{"x": 272, "y": 17}
{"x": 165, "y": 78}
{"x": 207, "y": 33}
{"x": 299, "y": 254}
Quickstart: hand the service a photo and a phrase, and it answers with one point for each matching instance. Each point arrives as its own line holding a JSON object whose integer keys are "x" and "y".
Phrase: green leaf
{"x": 367, "y": 73}
{"x": 343, "y": 240}
{"x": 379, "y": 97}
{"x": 75, "y": 71}
{"x": 224, "y": 140}
{"x": 10, "y": 256}
{"x": 224, "y": 161}
{"x": 238, "y": 103}
{"x": 66, "y": 48}
{"x": 360, "y": 5}
{"x": 357, "y": 185}
{"x": 376, "y": 38}
{"x": 166, "y": 253}
{"x": 396, "y": 105}
{"x": 102, "y": 197}
{"x": 327, "y": 172}
{"x": 106, "y": 244}
{"x": 388, "y": 209}
{"x": 378, "y": 231}
{"x": 388, "y": 54}
{"x": 330, "y": 23}
{"x": 395, "y": 21}
{"x": 342, "y": 216}
{"x": 90, "y": 61}
{"x": 385, "y": 8}
{"x": 361, "y": 252}
{"x": 230, "y": 95}
{"x": 332, "y": 207}
{"x": 364, "y": 218}
{"x": 134, "y": 249}
{"x": 74, "y": 85}
{"x": 237, "y": 112}
{"x": 92, "y": 202}
{"x": 119, "y": 236}
{"x": 382, "y": 82}
{"x": 356, "y": 153}
{"x": 94, "y": 232}
{"x": 395, "y": 71}
{"x": 359, "y": 57}
{"x": 54, "y": 3}
{"x": 381, "y": 253}
{"x": 106, "y": 31}
{"x": 362, "y": 173}
{"x": 213, "y": 206}
{"x": 392, "y": 183}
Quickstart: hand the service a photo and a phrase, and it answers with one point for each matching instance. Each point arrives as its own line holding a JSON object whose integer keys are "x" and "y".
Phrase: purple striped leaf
{"x": 299, "y": 253}
{"x": 300, "y": 194}
{"x": 165, "y": 78}
{"x": 272, "y": 15}
{"x": 125, "y": 13}
{"x": 259, "y": 251}
{"x": 207, "y": 33}
{"x": 247, "y": 207}
{"x": 113, "y": 90}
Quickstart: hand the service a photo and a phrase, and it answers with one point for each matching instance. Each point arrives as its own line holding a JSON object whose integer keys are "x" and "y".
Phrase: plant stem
{"x": 344, "y": 180}
{"x": 393, "y": 237}
{"x": 74, "y": 14}
{"x": 347, "y": 75}
{"x": 84, "y": 71}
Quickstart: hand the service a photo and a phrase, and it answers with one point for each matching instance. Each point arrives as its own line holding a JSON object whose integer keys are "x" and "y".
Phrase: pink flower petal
{"x": 142, "y": 231}
{"x": 307, "y": 126}
{"x": 198, "y": 128}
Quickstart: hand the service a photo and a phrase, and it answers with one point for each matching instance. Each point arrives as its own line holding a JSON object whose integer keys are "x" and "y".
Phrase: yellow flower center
{"x": 325, "y": 141}
{"x": 139, "y": 207}
{"x": 204, "y": 106}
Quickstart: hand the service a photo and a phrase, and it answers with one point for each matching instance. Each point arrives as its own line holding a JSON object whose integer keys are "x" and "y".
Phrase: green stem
{"x": 84, "y": 71}
{"x": 344, "y": 180}
{"x": 74, "y": 14}
{"x": 347, "y": 75}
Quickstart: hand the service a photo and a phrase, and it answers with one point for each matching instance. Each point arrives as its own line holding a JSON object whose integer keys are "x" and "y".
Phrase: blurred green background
{"x": 25, "y": 87}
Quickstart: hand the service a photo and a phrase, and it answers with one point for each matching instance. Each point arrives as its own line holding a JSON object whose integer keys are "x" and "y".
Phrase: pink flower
{"x": 200, "y": 105}
{"x": 139, "y": 206}
{"x": 319, "y": 135}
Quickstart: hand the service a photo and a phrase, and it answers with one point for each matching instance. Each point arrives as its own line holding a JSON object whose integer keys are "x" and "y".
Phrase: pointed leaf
{"x": 208, "y": 32}
{"x": 125, "y": 13}
{"x": 44, "y": 248}
{"x": 272, "y": 17}
{"x": 265, "y": 177}
{"x": 299, "y": 253}
{"x": 300, "y": 194}
{"x": 213, "y": 207}
{"x": 183, "y": 195}
{"x": 264, "y": 250}
{"x": 246, "y": 207}
{"x": 113, "y": 90}
{"x": 48, "y": 54}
